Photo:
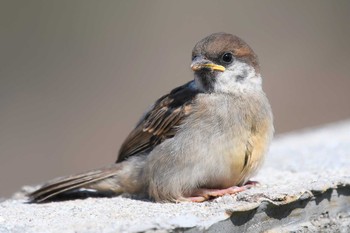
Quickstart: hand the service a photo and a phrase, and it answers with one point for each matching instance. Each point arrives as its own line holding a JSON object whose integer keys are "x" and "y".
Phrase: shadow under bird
{"x": 204, "y": 139}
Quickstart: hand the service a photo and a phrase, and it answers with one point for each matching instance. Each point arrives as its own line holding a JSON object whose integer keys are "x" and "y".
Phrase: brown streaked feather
{"x": 70, "y": 183}
{"x": 159, "y": 123}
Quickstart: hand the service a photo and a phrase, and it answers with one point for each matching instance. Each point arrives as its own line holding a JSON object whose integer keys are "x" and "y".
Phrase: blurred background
{"x": 75, "y": 76}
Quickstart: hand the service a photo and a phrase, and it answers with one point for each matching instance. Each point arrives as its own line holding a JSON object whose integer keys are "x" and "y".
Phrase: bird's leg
{"x": 203, "y": 194}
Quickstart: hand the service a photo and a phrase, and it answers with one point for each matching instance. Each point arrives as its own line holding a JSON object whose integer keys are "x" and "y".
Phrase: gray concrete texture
{"x": 75, "y": 76}
{"x": 304, "y": 187}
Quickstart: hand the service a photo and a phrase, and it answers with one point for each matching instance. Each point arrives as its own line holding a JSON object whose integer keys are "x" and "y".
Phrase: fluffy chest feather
{"x": 231, "y": 133}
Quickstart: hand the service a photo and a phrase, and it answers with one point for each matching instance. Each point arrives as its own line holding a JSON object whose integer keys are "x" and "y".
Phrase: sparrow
{"x": 204, "y": 139}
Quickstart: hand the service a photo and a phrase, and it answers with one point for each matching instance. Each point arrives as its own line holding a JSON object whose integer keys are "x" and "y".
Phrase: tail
{"x": 103, "y": 182}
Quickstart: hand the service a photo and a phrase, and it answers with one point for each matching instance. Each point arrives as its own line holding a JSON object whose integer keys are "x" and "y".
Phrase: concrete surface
{"x": 305, "y": 187}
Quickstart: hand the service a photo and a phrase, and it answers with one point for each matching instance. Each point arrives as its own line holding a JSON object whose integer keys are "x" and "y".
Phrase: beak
{"x": 201, "y": 63}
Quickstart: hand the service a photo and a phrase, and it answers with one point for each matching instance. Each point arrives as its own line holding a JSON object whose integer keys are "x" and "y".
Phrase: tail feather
{"x": 65, "y": 188}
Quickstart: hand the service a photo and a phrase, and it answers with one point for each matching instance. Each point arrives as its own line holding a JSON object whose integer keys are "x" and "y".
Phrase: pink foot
{"x": 201, "y": 195}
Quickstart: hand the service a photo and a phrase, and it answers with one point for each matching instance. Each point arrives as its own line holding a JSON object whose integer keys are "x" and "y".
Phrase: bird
{"x": 202, "y": 140}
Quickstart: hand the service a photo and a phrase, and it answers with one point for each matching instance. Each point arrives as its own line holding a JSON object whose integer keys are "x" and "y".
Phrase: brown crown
{"x": 213, "y": 47}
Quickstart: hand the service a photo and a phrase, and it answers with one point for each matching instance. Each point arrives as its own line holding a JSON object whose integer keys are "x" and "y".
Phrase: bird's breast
{"x": 232, "y": 135}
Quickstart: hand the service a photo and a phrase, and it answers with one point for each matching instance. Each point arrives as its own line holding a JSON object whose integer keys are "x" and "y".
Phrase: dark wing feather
{"x": 62, "y": 186}
{"x": 161, "y": 122}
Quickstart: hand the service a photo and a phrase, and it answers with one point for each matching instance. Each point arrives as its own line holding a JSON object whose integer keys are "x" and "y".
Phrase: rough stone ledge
{"x": 305, "y": 187}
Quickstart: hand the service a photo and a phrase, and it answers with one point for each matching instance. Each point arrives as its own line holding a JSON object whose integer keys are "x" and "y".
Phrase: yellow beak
{"x": 211, "y": 66}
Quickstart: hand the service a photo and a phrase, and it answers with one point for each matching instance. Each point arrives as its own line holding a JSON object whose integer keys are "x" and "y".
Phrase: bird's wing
{"x": 160, "y": 122}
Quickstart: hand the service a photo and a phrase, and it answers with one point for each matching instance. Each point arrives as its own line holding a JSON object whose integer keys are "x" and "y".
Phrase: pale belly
{"x": 229, "y": 147}
{"x": 214, "y": 148}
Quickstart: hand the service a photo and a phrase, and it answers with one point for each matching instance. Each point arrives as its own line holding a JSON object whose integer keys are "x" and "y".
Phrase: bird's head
{"x": 224, "y": 63}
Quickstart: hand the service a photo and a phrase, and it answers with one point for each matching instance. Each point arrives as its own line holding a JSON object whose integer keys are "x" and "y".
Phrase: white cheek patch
{"x": 257, "y": 80}
{"x": 239, "y": 76}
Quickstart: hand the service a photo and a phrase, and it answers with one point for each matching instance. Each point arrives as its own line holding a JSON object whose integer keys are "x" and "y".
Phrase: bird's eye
{"x": 227, "y": 57}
